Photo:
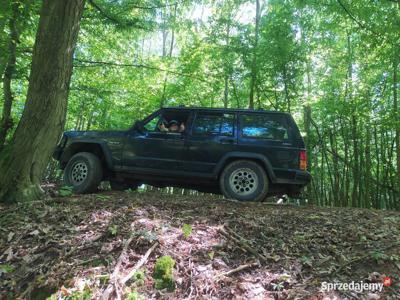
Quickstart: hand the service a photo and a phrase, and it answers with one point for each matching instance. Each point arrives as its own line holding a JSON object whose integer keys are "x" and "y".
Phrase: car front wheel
{"x": 83, "y": 172}
{"x": 244, "y": 180}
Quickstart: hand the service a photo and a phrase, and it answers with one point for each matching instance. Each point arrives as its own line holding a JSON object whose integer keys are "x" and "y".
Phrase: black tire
{"x": 244, "y": 180}
{"x": 83, "y": 172}
{"x": 122, "y": 186}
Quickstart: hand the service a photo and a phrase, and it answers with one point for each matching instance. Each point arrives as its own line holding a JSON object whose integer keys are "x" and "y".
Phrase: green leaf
{"x": 65, "y": 191}
{"x": 187, "y": 230}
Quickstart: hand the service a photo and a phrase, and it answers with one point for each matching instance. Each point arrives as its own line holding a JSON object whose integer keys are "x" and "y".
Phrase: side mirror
{"x": 138, "y": 126}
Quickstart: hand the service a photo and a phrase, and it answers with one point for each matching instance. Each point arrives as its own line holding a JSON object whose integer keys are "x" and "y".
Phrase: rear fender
{"x": 227, "y": 158}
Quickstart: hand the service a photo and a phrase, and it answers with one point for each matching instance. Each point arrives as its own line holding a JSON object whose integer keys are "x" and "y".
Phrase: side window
{"x": 171, "y": 122}
{"x": 213, "y": 124}
{"x": 266, "y": 126}
{"x": 151, "y": 125}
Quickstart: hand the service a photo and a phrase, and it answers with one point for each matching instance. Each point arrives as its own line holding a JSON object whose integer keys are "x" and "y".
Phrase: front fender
{"x": 96, "y": 147}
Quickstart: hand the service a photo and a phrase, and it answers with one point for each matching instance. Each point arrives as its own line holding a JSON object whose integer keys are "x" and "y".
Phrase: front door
{"x": 153, "y": 150}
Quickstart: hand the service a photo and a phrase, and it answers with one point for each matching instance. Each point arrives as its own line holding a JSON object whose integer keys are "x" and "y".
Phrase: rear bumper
{"x": 293, "y": 177}
{"x": 302, "y": 178}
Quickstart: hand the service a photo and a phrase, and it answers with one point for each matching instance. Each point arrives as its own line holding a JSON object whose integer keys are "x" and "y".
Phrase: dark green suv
{"x": 243, "y": 154}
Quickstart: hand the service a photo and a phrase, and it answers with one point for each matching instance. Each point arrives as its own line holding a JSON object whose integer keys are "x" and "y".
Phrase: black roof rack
{"x": 220, "y": 109}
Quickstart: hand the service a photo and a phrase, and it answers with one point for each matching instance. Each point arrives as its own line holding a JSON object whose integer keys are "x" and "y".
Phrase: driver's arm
{"x": 163, "y": 128}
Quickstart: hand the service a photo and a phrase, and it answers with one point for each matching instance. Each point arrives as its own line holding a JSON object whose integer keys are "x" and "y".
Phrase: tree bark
{"x": 23, "y": 162}
{"x": 253, "y": 78}
{"x": 227, "y": 67}
{"x": 396, "y": 117}
{"x": 356, "y": 167}
{"x": 171, "y": 49}
{"x": 6, "y": 122}
{"x": 368, "y": 167}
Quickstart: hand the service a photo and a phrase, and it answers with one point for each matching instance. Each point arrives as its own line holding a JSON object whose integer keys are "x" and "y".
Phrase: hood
{"x": 94, "y": 133}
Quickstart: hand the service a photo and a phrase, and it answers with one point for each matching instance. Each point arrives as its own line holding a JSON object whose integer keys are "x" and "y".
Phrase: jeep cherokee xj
{"x": 243, "y": 154}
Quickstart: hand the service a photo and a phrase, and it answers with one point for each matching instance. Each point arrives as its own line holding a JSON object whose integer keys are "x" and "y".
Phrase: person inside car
{"x": 173, "y": 126}
{"x": 162, "y": 127}
{"x": 182, "y": 127}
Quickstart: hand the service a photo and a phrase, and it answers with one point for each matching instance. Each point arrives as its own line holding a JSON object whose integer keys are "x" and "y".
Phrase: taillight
{"x": 303, "y": 160}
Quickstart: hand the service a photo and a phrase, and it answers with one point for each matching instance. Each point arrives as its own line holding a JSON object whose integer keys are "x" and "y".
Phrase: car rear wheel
{"x": 83, "y": 172}
{"x": 244, "y": 180}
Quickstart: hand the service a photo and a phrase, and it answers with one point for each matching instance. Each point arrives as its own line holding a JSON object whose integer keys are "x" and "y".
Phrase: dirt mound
{"x": 106, "y": 245}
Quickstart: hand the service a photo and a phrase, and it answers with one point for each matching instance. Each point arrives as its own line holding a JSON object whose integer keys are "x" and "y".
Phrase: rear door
{"x": 211, "y": 135}
{"x": 269, "y": 134}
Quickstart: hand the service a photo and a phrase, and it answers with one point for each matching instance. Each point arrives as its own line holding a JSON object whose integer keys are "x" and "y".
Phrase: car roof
{"x": 224, "y": 109}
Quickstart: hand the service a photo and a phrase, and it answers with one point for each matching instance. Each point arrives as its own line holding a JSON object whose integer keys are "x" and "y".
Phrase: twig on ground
{"x": 121, "y": 256}
{"x": 116, "y": 282}
{"x": 238, "y": 269}
{"x": 87, "y": 245}
{"x": 139, "y": 264}
{"x": 113, "y": 285}
{"x": 362, "y": 257}
{"x": 241, "y": 242}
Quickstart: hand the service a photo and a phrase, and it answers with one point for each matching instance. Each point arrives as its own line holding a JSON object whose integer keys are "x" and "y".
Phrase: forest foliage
{"x": 332, "y": 64}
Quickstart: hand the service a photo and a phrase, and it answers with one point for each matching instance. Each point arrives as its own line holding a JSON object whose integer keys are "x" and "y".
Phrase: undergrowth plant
{"x": 163, "y": 273}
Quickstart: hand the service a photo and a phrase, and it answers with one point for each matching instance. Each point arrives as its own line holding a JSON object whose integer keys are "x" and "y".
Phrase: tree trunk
{"x": 396, "y": 118}
{"x": 171, "y": 48}
{"x": 23, "y": 162}
{"x": 286, "y": 88}
{"x": 377, "y": 202}
{"x": 227, "y": 66}
{"x": 253, "y": 78}
{"x": 6, "y": 122}
{"x": 356, "y": 167}
{"x": 368, "y": 164}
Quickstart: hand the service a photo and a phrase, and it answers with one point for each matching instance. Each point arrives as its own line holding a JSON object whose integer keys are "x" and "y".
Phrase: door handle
{"x": 227, "y": 140}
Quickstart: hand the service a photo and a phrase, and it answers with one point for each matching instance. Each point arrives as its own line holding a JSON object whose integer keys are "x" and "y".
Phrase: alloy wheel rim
{"x": 79, "y": 173}
{"x": 243, "y": 181}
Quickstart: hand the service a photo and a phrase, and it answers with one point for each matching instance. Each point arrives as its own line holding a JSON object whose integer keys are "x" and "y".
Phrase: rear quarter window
{"x": 264, "y": 126}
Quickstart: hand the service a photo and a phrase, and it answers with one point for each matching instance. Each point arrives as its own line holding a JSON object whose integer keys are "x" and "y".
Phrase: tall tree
{"x": 396, "y": 115}
{"x": 24, "y": 160}
{"x": 253, "y": 75}
{"x": 6, "y": 121}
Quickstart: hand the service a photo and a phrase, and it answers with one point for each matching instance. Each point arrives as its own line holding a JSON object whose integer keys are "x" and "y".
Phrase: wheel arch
{"x": 97, "y": 148}
{"x": 233, "y": 156}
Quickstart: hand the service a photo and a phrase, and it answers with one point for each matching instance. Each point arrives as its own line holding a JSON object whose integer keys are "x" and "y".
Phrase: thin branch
{"x": 352, "y": 16}
{"x": 365, "y": 256}
{"x": 238, "y": 269}
{"x": 349, "y": 164}
{"x": 117, "y": 281}
{"x": 139, "y": 264}
{"x": 358, "y": 22}
{"x": 95, "y": 90}
{"x": 241, "y": 242}
{"x": 152, "y": 7}
{"x": 91, "y": 64}
{"x": 114, "y": 20}
{"x": 114, "y": 278}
